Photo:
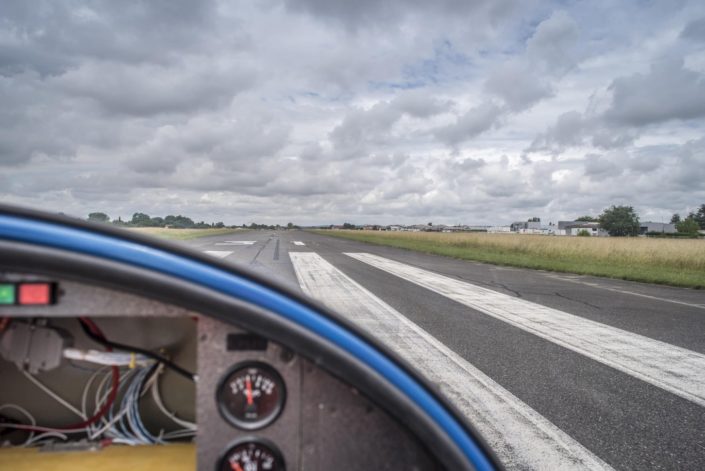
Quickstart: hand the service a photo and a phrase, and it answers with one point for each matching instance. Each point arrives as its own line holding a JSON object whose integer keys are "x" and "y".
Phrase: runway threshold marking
{"x": 218, "y": 253}
{"x": 522, "y": 438}
{"x": 298, "y": 242}
{"x": 677, "y": 370}
{"x": 236, "y": 242}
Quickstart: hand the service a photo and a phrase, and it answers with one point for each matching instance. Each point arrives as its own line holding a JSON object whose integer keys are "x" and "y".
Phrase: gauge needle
{"x": 248, "y": 383}
{"x": 236, "y": 466}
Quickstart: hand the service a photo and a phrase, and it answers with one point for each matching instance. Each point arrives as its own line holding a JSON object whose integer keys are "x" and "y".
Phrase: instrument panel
{"x": 258, "y": 404}
{"x": 278, "y": 410}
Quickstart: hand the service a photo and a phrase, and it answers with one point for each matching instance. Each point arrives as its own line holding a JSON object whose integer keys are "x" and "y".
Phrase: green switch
{"x": 7, "y": 294}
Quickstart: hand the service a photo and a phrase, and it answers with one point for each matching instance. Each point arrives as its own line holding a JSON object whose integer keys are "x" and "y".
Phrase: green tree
{"x": 583, "y": 233}
{"x": 178, "y": 222}
{"x": 620, "y": 221}
{"x": 141, "y": 220}
{"x": 98, "y": 217}
{"x": 676, "y": 218}
{"x": 688, "y": 226}
{"x": 586, "y": 219}
{"x": 289, "y": 225}
{"x": 699, "y": 216}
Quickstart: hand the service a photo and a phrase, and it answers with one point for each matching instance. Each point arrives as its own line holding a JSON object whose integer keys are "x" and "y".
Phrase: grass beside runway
{"x": 184, "y": 234}
{"x": 663, "y": 261}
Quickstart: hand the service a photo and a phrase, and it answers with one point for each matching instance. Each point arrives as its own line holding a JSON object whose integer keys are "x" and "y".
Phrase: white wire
{"x": 131, "y": 405}
{"x": 84, "y": 395}
{"x": 99, "y": 432}
{"x": 26, "y": 413}
{"x": 97, "y": 406}
{"x": 124, "y": 441}
{"x": 99, "y": 401}
{"x": 133, "y": 433}
{"x": 46, "y": 435}
{"x": 44, "y": 429}
{"x": 156, "y": 396}
{"x": 87, "y": 387}
{"x": 55, "y": 396}
{"x": 106, "y": 358}
{"x": 179, "y": 433}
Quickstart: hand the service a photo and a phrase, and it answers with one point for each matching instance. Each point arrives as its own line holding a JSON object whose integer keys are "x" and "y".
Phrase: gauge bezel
{"x": 259, "y": 424}
{"x": 278, "y": 457}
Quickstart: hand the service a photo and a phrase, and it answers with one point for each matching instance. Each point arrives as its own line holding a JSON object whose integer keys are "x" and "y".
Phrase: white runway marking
{"x": 521, "y": 437}
{"x": 623, "y": 291}
{"x": 218, "y": 253}
{"x": 236, "y": 242}
{"x": 675, "y": 369}
{"x": 297, "y": 242}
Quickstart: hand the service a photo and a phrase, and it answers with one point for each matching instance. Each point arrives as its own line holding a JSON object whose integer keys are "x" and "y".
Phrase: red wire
{"x": 111, "y": 396}
{"x": 113, "y": 392}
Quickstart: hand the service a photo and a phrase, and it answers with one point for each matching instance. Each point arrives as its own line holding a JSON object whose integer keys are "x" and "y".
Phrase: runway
{"x": 557, "y": 371}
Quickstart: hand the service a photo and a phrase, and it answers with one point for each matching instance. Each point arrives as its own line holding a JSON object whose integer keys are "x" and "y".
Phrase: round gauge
{"x": 252, "y": 455}
{"x": 251, "y": 395}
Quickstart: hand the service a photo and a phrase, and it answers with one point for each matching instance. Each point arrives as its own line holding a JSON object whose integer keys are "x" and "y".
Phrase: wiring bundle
{"x": 110, "y": 402}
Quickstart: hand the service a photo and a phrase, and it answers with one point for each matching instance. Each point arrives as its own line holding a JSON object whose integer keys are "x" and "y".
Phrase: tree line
{"x": 144, "y": 220}
{"x": 692, "y": 223}
{"x": 176, "y": 222}
{"x": 624, "y": 221}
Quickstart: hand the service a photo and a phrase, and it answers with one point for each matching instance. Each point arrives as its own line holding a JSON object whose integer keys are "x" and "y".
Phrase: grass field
{"x": 672, "y": 262}
{"x": 183, "y": 234}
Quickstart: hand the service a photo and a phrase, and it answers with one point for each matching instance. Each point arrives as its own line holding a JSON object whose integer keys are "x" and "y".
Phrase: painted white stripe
{"x": 623, "y": 291}
{"x": 521, "y": 437}
{"x": 675, "y": 369}
{"x": 297, "y": 242}
{"x": 236, "y": 242}
{"x": 218, "y": 253}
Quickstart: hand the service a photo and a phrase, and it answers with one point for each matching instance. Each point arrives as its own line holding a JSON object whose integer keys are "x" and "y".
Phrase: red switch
{"x": 35, "y": 293}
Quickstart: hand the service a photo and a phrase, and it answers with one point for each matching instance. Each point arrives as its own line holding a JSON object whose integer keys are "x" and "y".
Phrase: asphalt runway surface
{"x": 557, "y": 371}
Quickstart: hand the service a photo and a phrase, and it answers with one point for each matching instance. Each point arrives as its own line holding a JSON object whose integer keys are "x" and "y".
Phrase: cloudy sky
{"x": 322, "y": 111}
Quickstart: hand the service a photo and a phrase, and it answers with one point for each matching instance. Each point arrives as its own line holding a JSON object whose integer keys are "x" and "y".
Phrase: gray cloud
{"x": 362, "y": 127}
{"x": 554, "y": 44}
{"x": 145, "y": 89}
{"x": 669, "y": 91}
{"x": 574, "y": 129}
{"x": 518, "y": 85}
{"x": 51, "y": 37}
{"x": 597, "y": 167}
{"x": 474, "y": 122}
{"x": 319, "y": 112}
{"x": 386, "y": 14}
{"x": 695, "y": 30}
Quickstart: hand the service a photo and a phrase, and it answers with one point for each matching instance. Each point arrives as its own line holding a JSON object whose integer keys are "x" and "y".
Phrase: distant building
{"x": 573, "y": 228}
{"x": 661, "y": 227}
{"x": 530, "y": 227}
{"x": 523, "y": 226}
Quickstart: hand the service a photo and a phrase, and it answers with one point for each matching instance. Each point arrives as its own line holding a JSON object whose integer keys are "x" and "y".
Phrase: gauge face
{"x": 252, "y": 455}
{"x": 251, "y": 395}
